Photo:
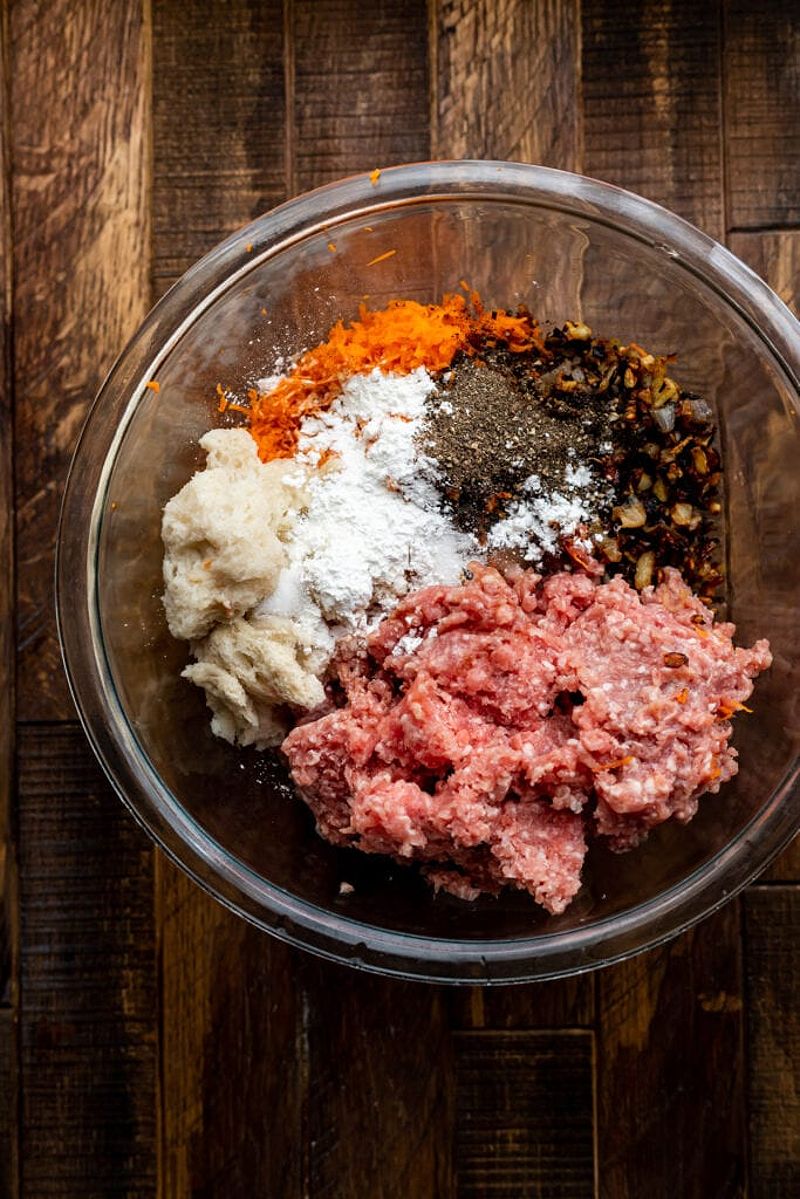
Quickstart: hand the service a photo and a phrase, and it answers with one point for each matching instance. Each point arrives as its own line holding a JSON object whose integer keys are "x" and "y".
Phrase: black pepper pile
{"x": 502, "y": 415}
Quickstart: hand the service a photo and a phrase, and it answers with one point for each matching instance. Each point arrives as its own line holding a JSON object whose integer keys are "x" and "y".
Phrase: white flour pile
{"x": 372, "y": 527}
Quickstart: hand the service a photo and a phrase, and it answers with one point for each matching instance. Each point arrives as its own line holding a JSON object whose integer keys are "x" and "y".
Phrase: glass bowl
{"x": 569, "y": 247}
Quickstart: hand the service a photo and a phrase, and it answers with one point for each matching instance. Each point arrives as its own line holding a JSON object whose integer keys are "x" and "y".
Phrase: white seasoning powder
{"x": 535, "y": 522}
{"x": 372, "y": 527}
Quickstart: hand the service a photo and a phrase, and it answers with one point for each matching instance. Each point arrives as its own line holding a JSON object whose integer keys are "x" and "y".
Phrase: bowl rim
{"x": 125, "y": 762}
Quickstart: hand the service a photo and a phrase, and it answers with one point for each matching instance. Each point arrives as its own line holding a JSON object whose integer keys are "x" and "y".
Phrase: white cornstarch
{"x": 372, "y": 527}
{"x": 536, "y": 521}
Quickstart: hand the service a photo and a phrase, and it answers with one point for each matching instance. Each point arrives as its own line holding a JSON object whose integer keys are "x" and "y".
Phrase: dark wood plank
{"x": 360, "y": 87}
{"x": 506, "y": 81}
{"x": 218, "y": 129}
{"x": 9, "y": 1105}
{"x": 785, "y": 868}
{"x": 79, "y": 91}
{"x": 234, "y": 1056}
{"x": 381, "y": 1098}
{"x": 772, "y": 939}
{"x": 9, "y": 897}
{"x": 524, "y": 1115}
{"x": 88, "y": 978}
{"x": 762, "y": 97}
{"x": 562, "y": 1003}
{"x": 651, "y": 103}
{"x": 776, "y": 257}
{"x": 671, "y": 1115}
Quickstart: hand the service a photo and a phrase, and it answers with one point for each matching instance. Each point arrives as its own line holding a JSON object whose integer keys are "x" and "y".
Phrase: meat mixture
{"x": 487, "y": 729}
{"x": 437, "y": 568}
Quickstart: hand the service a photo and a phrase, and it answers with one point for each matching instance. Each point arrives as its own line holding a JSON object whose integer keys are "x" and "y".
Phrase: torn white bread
{"x": 221, "y": 535}
{"x": 254, "y": 670}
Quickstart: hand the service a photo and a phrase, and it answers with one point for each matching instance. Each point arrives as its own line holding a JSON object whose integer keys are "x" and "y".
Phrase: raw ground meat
{"x": 488, "y": 729}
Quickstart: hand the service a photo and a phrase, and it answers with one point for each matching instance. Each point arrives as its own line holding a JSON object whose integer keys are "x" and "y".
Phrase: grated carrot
{"x": 613, "y": 765}
{"x": 374, "y": 176}
{"x": 381, "y": 257}
{"x": 682, "y": 696}
{"x": 153, "y": 386}
{"x": 727, "y": 707}
{"x": 399, "y": 338}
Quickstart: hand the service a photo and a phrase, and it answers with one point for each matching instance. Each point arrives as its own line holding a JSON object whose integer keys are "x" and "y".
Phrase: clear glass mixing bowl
{"x": 569, "y": 247}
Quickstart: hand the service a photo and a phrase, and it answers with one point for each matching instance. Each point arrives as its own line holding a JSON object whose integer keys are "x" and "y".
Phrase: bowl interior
{"x": 563, "y": 266}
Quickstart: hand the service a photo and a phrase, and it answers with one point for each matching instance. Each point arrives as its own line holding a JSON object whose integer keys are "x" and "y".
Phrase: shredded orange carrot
{"x": 613, "y": 765}
{"x": 374, "y": 176}
{"x": 682, "y": 696}
{"x": 399, "y": 338}
{"x": 382, "y": 257}
{"x": 332, "y": 247}
{"x": 153, "y": 386}
{"x": 727, "y": 707}
{"x": 249, "y": 248}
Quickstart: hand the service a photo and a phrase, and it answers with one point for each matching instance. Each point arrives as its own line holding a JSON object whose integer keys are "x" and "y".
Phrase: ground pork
{"x": 488, "y": 729}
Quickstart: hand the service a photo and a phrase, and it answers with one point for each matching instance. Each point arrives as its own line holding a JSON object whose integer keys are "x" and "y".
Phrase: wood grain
{"x": 218, "y": 128}
{"x": 9, "y": 1105}
{"x": 88, "y": 978}
{"x": 525, "y": 1115}
{"x": 775, "y": 257}
{"x": 671, "y": 1112}
{"x": 772, "y": 939}
{"x": 506, "y": 81}
{"x": 561, "y": 1003}
{"x": 9, "y": 898}
{"x": 79, "y": 92}
{"x": 360, "y": 87}
{"x": 651, "y": 103}
{"x": 234, "y": 1053}
{"x": 380, "y": 1104}
{"x": 761, "y": 73}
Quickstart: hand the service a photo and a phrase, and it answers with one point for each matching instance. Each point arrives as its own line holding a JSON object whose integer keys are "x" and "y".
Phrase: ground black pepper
{"x": 495, "y": 423}
{"x": 501, "y": 416}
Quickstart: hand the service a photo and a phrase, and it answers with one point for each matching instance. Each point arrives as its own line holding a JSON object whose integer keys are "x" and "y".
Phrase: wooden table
{"x": 151, "y": 1043}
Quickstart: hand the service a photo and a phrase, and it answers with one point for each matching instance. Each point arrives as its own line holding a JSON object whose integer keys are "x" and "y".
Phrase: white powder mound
{"x": 372, "y": 526}
{"x": 535, "y": 523}
{"x": 221, "y": 535}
